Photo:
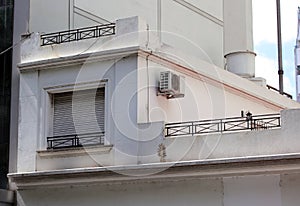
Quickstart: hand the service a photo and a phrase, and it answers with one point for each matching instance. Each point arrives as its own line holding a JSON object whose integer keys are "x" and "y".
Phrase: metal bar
{"x": 193, "y": 129}
{"x": 223, "y": 119}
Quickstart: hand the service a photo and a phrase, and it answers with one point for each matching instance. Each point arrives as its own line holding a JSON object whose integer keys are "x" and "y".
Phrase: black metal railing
{"x": 259, "y": 122}
{"x": 78, "y": 34}
{"x": 75, "y": 140}
{"x": 277, "y": 90}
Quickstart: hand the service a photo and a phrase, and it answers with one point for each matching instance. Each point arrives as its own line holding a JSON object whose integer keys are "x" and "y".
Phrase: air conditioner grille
{"x": 164, "y": 81}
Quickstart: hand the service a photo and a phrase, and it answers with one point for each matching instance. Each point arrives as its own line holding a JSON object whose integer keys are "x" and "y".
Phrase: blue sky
{"x": 265, "y": 40}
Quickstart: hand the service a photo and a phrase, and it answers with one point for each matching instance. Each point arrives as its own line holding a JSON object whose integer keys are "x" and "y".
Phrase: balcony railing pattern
{"x": 78, "y": 34}
{"x": 259, "y": 122}
{"x": 75, "y": 140}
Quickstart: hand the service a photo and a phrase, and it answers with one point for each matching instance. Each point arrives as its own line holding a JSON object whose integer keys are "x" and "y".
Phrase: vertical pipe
{"x": 238, "y": 37}
{"x": 280, "y": 65}
{"x": 297, "y": 59}
{"x": 71, "y": 14}
{"x": 159, "y": 19}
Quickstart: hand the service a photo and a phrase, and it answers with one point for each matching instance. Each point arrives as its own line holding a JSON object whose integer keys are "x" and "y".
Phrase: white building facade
{"x": 95, "y": 125}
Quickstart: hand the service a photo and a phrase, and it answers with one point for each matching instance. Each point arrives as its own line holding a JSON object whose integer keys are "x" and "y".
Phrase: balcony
{"x": 44, "y": 51}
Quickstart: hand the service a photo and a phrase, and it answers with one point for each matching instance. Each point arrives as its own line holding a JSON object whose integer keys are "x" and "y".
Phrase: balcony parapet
{"x": 124, "y": 33}
{"x": 283, "y": 138}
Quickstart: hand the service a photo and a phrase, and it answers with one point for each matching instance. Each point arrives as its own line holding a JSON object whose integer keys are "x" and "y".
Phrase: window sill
{"x": 77, "y": 151}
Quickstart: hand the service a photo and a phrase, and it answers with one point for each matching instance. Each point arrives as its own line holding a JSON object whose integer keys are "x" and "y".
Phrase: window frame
{"x": 49, "y": 109}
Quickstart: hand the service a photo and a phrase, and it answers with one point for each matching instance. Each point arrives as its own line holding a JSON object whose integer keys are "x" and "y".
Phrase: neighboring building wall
{"x": 6, "y": 39}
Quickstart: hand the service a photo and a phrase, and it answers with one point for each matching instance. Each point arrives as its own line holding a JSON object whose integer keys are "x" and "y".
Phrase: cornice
{"x": 158, "y": 172}
{"x": 78, "y": 59}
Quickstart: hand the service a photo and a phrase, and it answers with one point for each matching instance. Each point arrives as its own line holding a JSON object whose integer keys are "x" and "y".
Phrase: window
{"x": 78, "y": 118}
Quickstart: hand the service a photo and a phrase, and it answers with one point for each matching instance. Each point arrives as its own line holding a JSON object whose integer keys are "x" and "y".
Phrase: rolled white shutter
{"x": 81, "y": 112}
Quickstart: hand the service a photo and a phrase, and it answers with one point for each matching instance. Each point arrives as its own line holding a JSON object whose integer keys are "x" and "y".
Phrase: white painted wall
{"x": 238, "y": 37}
{"x": 290, "y": 189}
{"x": 252, "y": 190}
{"x": 238, "y": 31}
{"x": 28, "y": 122}
{"x": 192, "y": 193}
{"x": 264, "y": 190}
{"x": 194, "y": 27}
{"x": 203, "y": 100}
{"x": 48, "y": 16}
{"x": 213, "y": 8}
{"x": 114, "y": 9}
{"x": 191, "y": 32}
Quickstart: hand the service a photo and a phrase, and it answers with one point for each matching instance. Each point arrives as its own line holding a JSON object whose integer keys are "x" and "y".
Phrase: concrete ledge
{"x": 78, "y": 59}
{"x": 103, "y": 149}
{"x": 6, "y": 197}
{"x": 277, "y": 164}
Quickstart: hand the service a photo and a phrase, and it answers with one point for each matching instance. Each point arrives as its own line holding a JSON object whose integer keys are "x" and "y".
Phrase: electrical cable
{"x": 14, "y": 45}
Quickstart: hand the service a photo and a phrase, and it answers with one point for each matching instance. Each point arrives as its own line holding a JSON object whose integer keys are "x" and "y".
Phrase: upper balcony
{"x": 74, "y": 45}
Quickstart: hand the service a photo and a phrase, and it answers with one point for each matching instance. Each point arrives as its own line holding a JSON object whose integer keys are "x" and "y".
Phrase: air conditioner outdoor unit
{"x": 171, "y": 85}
